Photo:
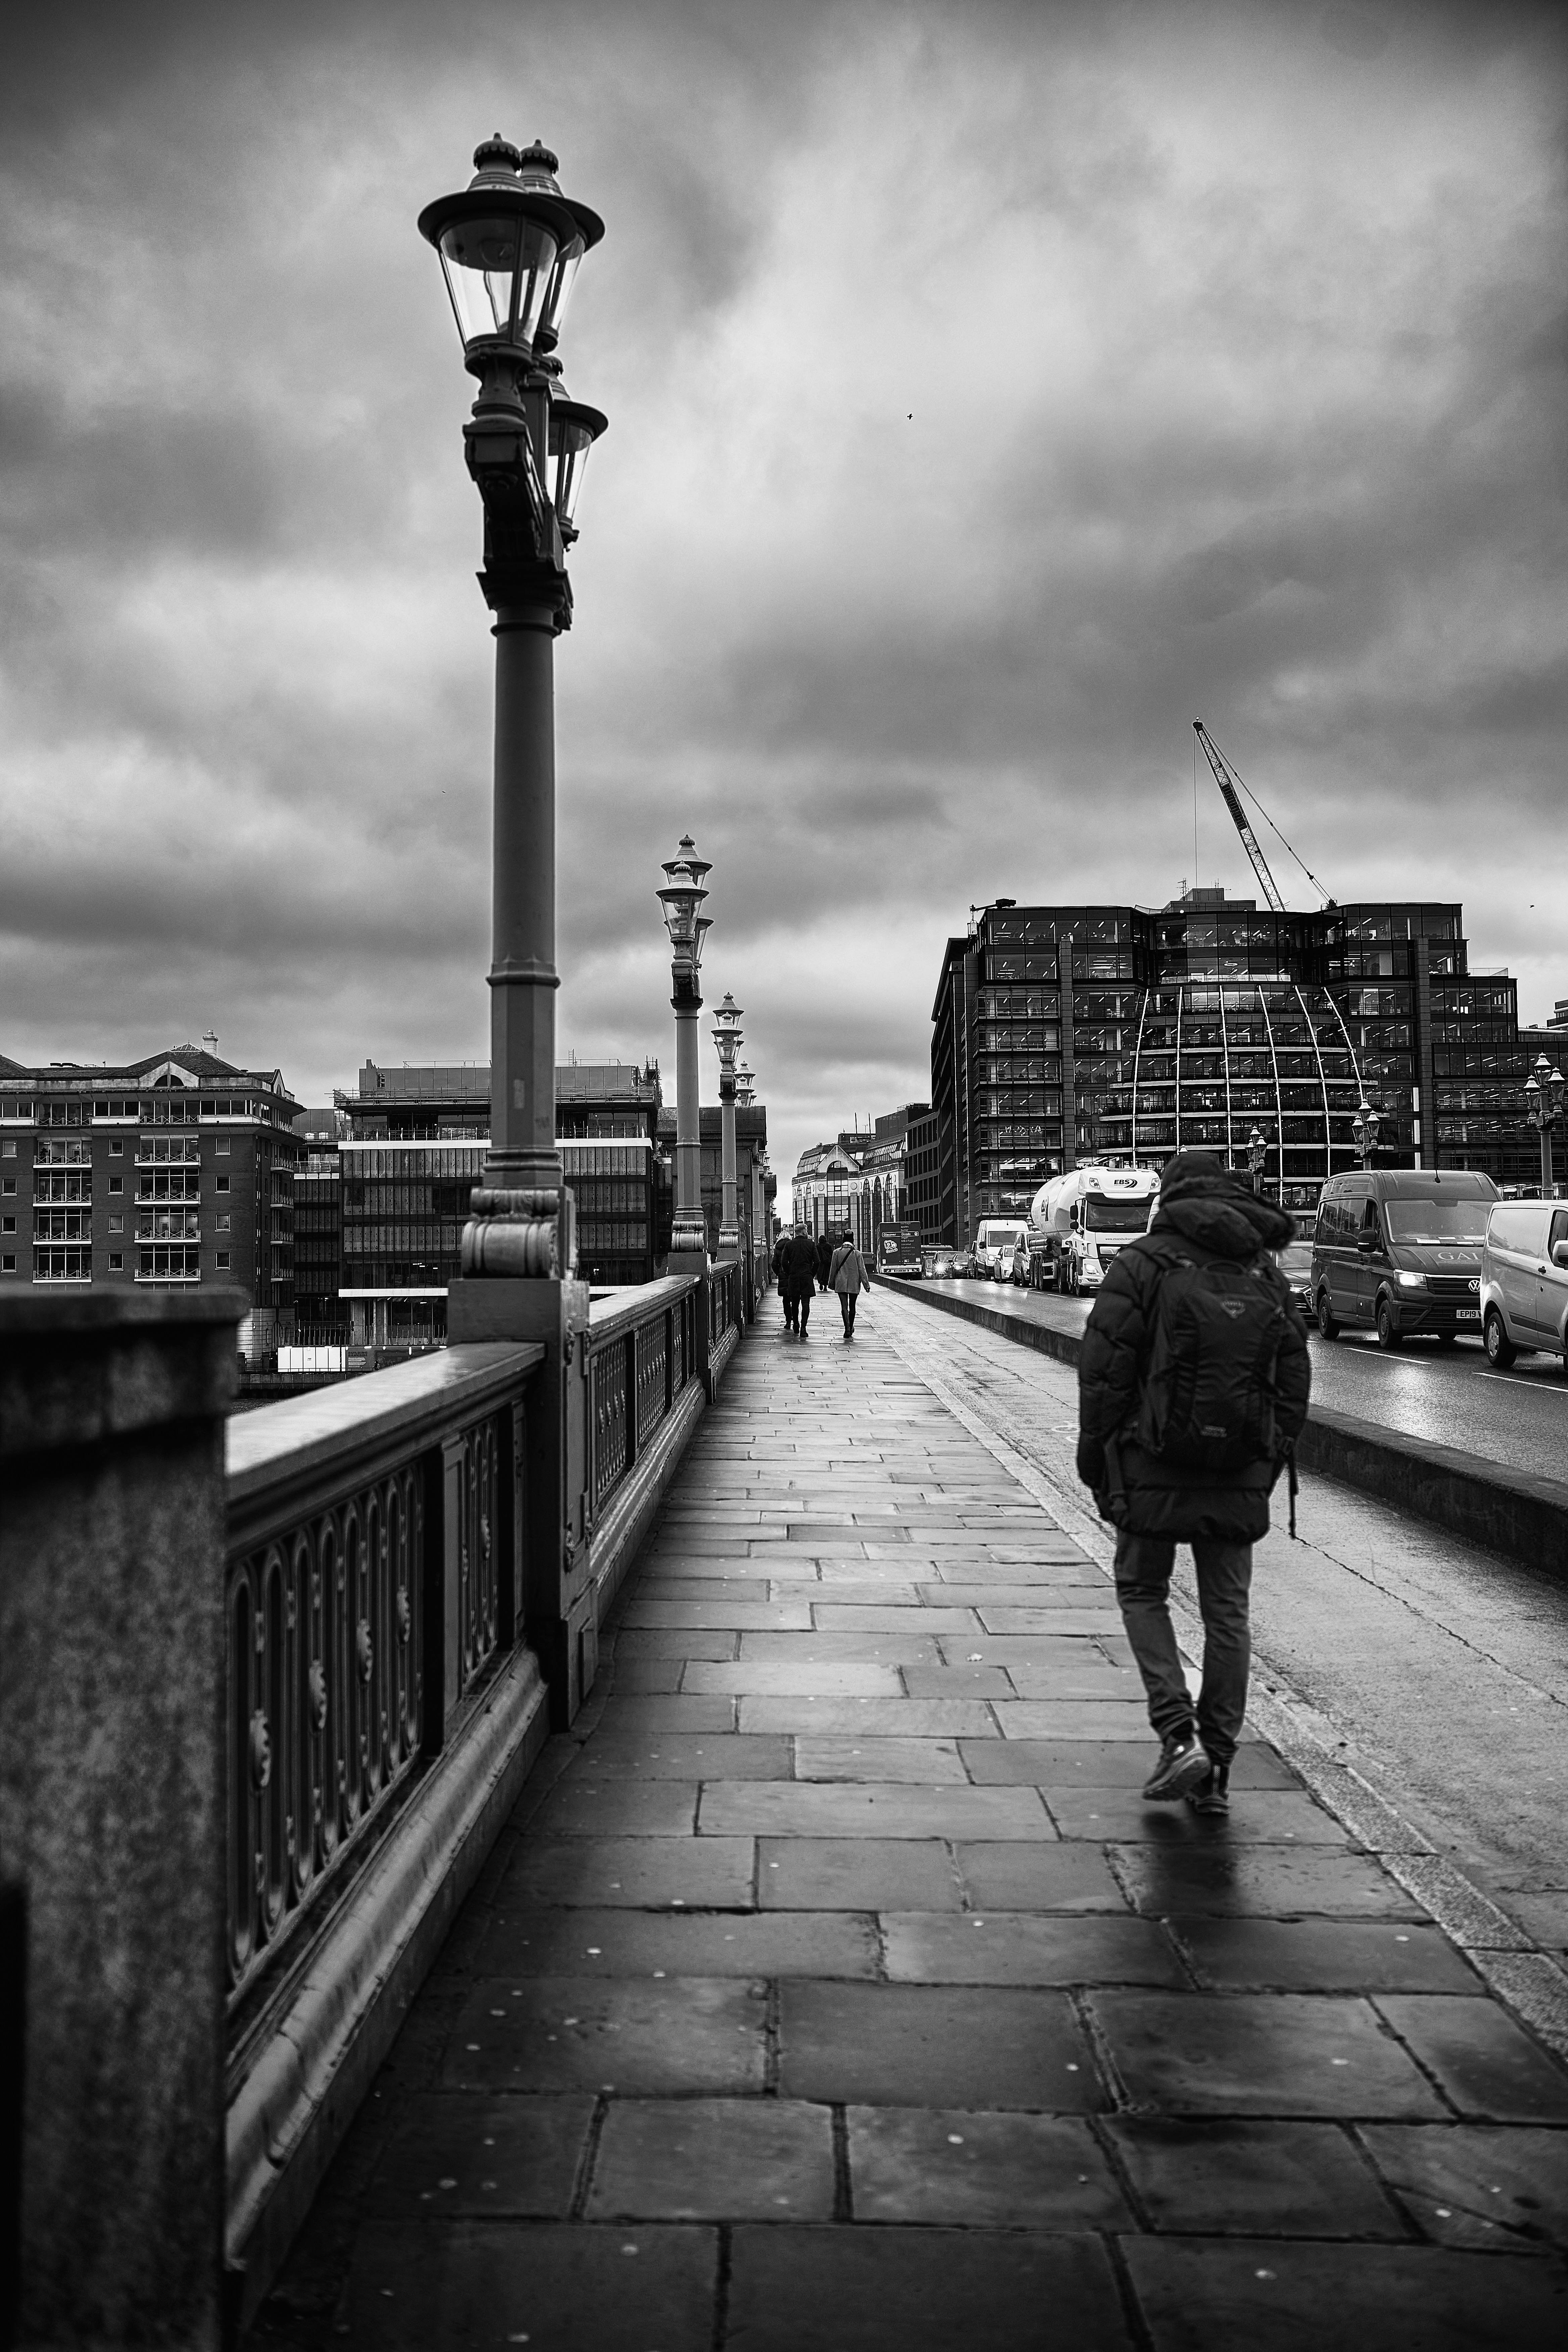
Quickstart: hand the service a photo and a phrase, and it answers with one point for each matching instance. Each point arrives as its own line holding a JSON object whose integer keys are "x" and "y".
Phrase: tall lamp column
{"x": 681, "y": 899}
{"x": 727, "y": 1040}
{"x": 1543, "y": 1108}
{"x": 509, "y": 244}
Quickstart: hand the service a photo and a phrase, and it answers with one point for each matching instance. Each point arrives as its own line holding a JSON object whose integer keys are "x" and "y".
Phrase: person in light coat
{"x": 847, "y": 1274}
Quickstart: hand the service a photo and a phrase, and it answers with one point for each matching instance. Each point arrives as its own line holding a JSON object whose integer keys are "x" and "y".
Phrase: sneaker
{"x": 1212, "y": 1793}
{"x": 1182, "y": 1762}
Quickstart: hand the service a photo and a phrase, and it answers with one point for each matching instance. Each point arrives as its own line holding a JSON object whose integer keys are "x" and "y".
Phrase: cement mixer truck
{"x": 1078, "y": 1222}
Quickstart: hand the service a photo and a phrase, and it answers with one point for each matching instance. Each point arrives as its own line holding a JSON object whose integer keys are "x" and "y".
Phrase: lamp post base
{"x": 729, "y": 1249}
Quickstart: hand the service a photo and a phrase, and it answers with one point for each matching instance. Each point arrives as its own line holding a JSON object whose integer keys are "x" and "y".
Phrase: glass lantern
{"x": 500, "y": 241}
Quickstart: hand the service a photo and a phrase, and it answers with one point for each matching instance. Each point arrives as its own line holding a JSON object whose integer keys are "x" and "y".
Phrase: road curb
{"x": 1514, "y": 1512}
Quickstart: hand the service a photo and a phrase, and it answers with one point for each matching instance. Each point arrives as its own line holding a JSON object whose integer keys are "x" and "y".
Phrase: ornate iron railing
{"x": 344, "y": 1577}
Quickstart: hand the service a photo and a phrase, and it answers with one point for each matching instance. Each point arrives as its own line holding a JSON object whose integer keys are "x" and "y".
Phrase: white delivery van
{"x": 1524, "y": 1280}
{"x": 1078, "y": 1222}
{"x": 995, "y": 1238}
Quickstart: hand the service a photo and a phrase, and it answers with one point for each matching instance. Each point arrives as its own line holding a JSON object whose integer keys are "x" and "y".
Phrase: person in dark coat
{"x": 1206, "y": 1217}
{"x": 786, "y": 1296}
{"x": 824, "y": 1259}
{"x": 797, "y": 1278}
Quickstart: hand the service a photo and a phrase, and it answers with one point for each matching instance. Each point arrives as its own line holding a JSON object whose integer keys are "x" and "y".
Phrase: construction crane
{"x": 1231, "y": 789}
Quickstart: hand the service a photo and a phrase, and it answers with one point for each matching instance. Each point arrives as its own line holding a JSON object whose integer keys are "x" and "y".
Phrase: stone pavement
{"x": 833, "y": 1987}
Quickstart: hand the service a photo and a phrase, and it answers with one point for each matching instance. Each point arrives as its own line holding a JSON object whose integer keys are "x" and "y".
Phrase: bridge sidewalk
{"x": 833, "y": 1987}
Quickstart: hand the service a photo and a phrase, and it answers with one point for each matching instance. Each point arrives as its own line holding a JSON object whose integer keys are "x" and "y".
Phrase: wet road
{"x": 1451, "y": 1397}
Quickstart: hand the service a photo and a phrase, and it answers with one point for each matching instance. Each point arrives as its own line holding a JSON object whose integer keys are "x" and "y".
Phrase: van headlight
{"x": 1412, "y": 1282}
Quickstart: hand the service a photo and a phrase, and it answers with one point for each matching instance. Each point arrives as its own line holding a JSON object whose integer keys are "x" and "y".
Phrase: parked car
{"x": 937, "y": 1263}
{"x": 1019, "y": 1270}
{"x": 1399, "y": 1250}
{"x": 1524, "y": 1280}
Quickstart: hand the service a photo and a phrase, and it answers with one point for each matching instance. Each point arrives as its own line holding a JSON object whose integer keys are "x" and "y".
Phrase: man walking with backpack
{"x": 1192, "y": 1386}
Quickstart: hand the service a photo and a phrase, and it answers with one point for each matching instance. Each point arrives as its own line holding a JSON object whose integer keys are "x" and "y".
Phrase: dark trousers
{"x": 803, "y": 1303}
{"x": 1144, "y": 1565}
{"x": 847, "y": 1307}
{"x": 790, "y": 1308}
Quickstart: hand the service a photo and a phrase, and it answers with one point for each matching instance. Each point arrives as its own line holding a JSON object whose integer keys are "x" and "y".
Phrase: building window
{"x": 7, "y": 1224}
{"x": 223, "y": 1225}
{"x": 9, "y": 1187}
{"x": 7, "y": 1152}
{"x": 117, "y": 1183}
{"x": 117, "y": 1151}
{"x": 223, "y": 1184}
{"x": 8, "y": 1263}
{"x": 117, "y": 1224}
{"x": 221, "y": 1147}
{"x": 223, "y": 1261}
{"x": 116, "y": 1262}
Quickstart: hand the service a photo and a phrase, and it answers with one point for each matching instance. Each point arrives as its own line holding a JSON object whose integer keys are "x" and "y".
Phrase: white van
{"x": 1524, "y": 1280}
{"x": 995, "y": 1238}
{"x": 1078, "y": 1222}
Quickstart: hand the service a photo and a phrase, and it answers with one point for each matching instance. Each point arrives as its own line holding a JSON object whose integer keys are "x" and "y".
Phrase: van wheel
{"x": 1389, "y": 1335}
{"x": 1328, "y": 1328}
{"x": 1500, "y": 1349}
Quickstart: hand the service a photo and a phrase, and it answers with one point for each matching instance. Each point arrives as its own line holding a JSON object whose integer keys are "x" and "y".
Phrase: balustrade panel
{"x": 325, "y": 1677}
{"x": 607, "y": 1403}
{"x": 652, "y": 1382}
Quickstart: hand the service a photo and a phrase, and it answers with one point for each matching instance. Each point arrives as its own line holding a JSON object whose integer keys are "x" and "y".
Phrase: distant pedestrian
{"x": 798, "y": 1279}
{"x": 823, "y": 1258}
{"x": 847, "y": 1273}
{"x": 1192, "y": 1386}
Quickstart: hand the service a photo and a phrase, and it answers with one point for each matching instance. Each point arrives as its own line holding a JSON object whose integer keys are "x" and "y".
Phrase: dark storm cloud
{"x": 992, "y": 392}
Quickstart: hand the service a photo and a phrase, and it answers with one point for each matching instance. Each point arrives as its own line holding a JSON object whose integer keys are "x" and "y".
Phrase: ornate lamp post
{"x": 681, "y": 898}
{"x": 727, "y": 1040}
{"x": 1256, "y": 1155}
{"x": 1365, "y": 1129}
{"x": 509, "y": 244}
{"x": 1543, "y": 1108}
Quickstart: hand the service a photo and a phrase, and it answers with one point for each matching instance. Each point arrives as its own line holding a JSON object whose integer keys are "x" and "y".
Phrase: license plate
{"x": 1467, "y": 1314}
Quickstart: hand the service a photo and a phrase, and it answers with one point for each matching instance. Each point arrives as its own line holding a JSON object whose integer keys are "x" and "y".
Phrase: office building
{"x": 750, "y": 1165}
{"x": 1125, "y": 1033}
{"x": 164, "y": 1173}
{"x": 861, "y": 1180}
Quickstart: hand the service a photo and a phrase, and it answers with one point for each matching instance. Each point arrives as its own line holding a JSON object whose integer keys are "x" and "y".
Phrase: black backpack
{"x": 1209, "y": 1390}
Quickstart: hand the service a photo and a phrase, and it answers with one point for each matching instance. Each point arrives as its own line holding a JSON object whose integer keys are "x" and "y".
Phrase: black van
{"x": 1399, "y": 1250}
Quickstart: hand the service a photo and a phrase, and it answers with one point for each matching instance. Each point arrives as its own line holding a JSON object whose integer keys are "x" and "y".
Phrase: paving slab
{"x": 626, "y": 1942}
{"x": 1229, "y": 2177}
{"x": 1260, "y": 2054}
{"x": 908, "y": 1647}
{"x": 468, "y": 2153}
{"x": 1104, "y": 1764}
{"x": 889, "y": 1809}
{"x": 919, "y": 2045}
{"x": 924, "y": 1762}
{"x": 1489, "y": 2188}
{"x": 1491, "y": 2069}
{"x": 576, "y": 2032}
{"x": 1268, "y": 1817}
{"x": 556, "y": 2287}
{"x": 924, "y": 2291}
{"x": 1016, "y": 1877}
{"x": 1322, "y": 1956}
{"x": 615, "y": 1755}
{"x": 865, "y": 1874}
{"x": 955, "y": 2166}
{"x": 1279, "y": 2295}
{"x": 914, "y": 1718}
{"x": 1281, "y": 1882}
{"x": 793, "y": 1679}
{"x": 714, "y": 2159}
{"x": 1027, "y": 1948}
{"x": 579, "y": 1807}
{"x": 685, "y": 1874}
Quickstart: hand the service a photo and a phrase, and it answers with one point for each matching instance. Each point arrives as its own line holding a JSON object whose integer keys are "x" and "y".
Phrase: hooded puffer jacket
{"x": 1205, "y": 1214}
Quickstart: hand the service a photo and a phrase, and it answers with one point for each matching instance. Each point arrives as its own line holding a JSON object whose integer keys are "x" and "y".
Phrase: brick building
{"x": 170, "y": 1171}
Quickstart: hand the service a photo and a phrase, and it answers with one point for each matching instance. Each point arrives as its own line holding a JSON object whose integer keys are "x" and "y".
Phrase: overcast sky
{"x": 992, "y": 392}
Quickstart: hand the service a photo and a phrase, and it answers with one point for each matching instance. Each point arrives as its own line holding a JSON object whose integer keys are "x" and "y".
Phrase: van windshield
{"x": 1437, "y": 1221}
{"x": 1103, "y": 1216}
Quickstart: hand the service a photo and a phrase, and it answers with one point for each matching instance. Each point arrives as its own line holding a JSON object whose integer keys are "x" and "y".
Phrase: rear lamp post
{"x": 1543, "y": 1108}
